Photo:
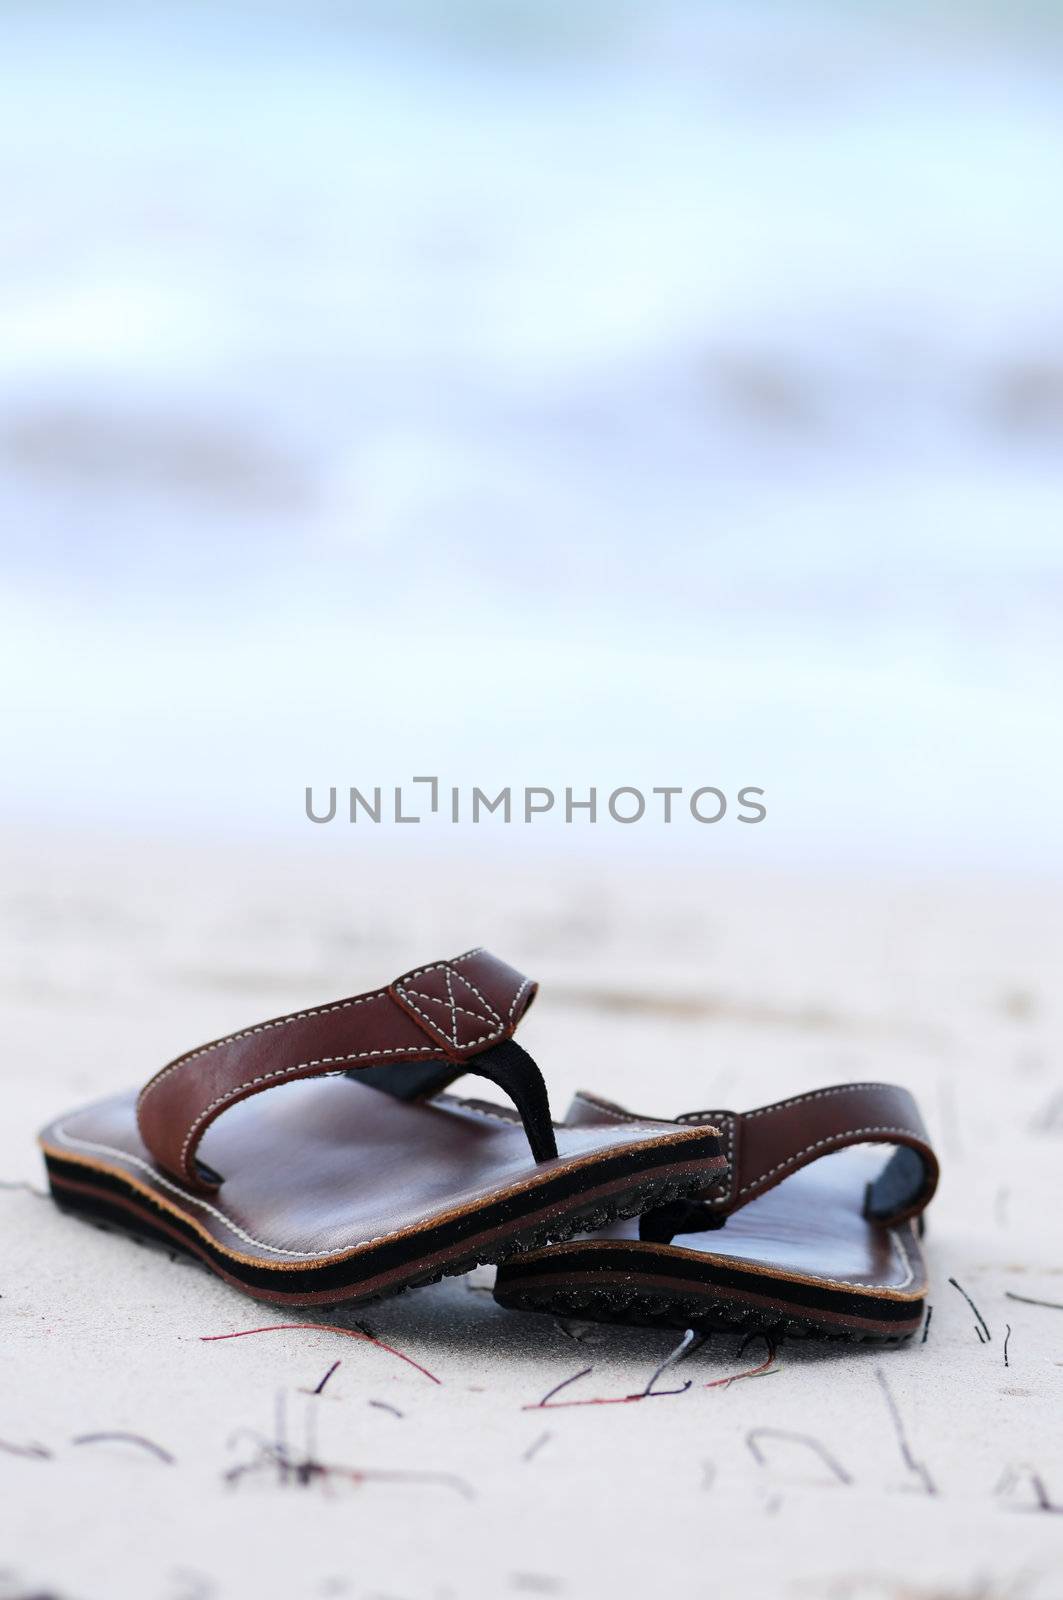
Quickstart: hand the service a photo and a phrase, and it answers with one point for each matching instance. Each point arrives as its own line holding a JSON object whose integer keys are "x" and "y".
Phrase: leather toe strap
{"x": 421, "y": 1031}
{"x": 766, "y": 1145}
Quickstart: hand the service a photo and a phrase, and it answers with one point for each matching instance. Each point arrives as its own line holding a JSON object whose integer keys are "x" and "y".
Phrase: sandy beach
{"x": 557, "y": 393}
{"x": 930, "y": 1472}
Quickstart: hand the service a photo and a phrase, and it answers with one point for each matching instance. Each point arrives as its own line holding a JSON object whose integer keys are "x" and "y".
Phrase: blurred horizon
{"x": 575, "y": 394}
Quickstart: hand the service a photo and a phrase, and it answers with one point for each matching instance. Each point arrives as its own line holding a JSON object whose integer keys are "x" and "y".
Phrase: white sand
{"x": 117, "y": 957}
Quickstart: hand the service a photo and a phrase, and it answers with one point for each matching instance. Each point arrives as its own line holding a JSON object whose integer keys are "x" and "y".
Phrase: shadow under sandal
{"x": 806, "y": 1235}
{"x": 358, "y": 1177}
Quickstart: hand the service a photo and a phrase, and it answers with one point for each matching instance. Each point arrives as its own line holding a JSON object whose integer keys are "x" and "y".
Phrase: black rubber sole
{"x": 839, "y": 1317}
{"x": 103, "y": 1197}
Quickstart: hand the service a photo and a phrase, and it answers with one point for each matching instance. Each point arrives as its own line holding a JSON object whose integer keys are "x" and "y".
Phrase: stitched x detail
{"x": 452, "y": 1007}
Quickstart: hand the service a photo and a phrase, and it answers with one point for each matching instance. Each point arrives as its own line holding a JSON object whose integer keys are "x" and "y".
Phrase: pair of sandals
{"x": 365, "y": 1177}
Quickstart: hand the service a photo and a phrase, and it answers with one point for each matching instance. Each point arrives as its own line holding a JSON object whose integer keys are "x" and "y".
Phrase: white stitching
{"x": 720, "y": 1193}
{"x": 714, "y": 1117}
{"x": 481, "y": 997}
{"x": 417, "y": 971}
{"x": 191, "y": 1199}
{"x": 205, "y": 1205}
{"x": 282, "y": 1022}
{"x": 516, "y": 997}
{"x": 449, "y": 968}
{"x": 608, "y": 1111}
{"x": 858, "y": 1279}
{"x": 263, "y": 1027}
{"x": 449, "y": 980}
{"x": 360, "y": 1055}
{"x": 730, "y": 1119}
{"x": 820, "y": 1144}
{"x": 466, "y": 1044}
{"x": 898, "y": 1244}
{"x": 717, "y": 1193}
{"x": 436, "y": 1001}
{"x": 784, "y": 1105}
{"x": 286, "y": 1072}
{"x": 479, "y": 1111}
{"x": 818, "y": 1094}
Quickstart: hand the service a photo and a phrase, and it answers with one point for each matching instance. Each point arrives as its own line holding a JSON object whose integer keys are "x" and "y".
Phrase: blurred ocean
{"x": 539, "y": 394}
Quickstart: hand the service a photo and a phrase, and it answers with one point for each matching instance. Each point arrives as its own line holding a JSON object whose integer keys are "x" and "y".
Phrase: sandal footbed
{"x": 802, "y": 1254}
{"x": 333, "y": 1191}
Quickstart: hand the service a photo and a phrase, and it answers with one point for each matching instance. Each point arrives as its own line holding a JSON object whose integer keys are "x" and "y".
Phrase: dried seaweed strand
{"x": 558, "y": 1388}
{"x": 926, "y": 1324}
{"x": 382, "y": 1405}
{"x": 1050, "y": 1305}
{"x": 306, "y": 1471}
{"x": 1007, "y": 1336}
{"x": 548, "y": 1403}
{"x": 323, "y": 1327}
{"x": 127, "y": 1438}
{"x": 34, "y": 1452}
{"x": 808, "y": 1439}
{"x": 974, "y": 1308}
{"x": 1044, "y": 1499}
{"x": 753, "y": 1372}
{"x": 607, "y": 1400}
{"x": 905, "y": 1448}
{"x": 681, "y": 1349}
{"x": 1012, "y": 1477}
{"x": 326, "y": 1378}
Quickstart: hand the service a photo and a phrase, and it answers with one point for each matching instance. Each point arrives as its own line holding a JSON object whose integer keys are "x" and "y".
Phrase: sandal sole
{"x": 638, "y": 1298}
{"x": 577, "y": 1201}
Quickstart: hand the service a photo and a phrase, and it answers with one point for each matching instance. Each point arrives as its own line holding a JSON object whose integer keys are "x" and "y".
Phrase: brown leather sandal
{"x": 804, "y": 1236}
{"x": 362, "y": 1179}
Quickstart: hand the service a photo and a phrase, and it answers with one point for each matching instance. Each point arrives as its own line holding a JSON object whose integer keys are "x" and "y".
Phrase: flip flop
{"x": 807, "y": 1235}
{"x": 361, "y": 1178}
